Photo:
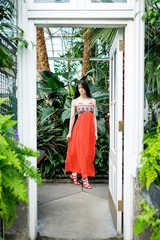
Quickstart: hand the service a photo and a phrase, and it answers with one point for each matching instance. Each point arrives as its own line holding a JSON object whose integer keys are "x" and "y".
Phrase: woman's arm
{"x": 72, "y": 119}
{"x": 95, "y": 119}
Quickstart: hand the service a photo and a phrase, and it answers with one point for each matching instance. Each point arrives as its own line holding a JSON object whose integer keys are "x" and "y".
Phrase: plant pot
{"x": 152, "y": 196}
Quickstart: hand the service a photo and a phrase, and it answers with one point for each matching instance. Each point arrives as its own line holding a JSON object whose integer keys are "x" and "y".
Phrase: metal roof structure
{"x": 60, "y": 44}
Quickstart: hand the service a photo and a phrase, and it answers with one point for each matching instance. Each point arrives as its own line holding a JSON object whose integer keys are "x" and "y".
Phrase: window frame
{"x": 51, "y": 6}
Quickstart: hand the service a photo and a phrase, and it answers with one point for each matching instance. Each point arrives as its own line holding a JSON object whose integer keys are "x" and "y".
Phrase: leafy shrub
{"x": 148, "y": 219}
{"x": 50, "y": 139}
{"x": 150, "y": 169}
{"x": 148, "y": 173}
{"x": 101, "y": 161}
{"x": 13, "y": 166}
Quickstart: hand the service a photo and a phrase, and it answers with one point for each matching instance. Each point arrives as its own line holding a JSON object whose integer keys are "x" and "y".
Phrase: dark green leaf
{"x": 67, "y": 103}
{"x": 100, "y": 95}
{"x": 55, "y": 83}
{"x": 66, "y": 114}
{"x": 68, "y": 75}
{"x": 46, "y": 114}
{"x": 101, "y": 126}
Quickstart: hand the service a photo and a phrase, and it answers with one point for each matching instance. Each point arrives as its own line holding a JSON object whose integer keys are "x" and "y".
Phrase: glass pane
{"x": 108, "y": 1}
{"x": 8, "y": 90}
{"x": 51, "y": 1}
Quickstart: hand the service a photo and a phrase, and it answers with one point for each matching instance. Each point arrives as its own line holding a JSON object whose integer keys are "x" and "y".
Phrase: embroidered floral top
{"x": 82, "y": 107}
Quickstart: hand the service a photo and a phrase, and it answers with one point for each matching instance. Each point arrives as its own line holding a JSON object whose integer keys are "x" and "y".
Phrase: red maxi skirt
{"x": 81, "y": 147}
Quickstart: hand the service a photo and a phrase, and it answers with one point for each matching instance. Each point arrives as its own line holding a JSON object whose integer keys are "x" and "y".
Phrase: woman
{"x": 81, "y": 145}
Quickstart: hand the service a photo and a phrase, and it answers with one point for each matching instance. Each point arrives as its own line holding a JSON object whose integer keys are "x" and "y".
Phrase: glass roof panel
{"x": 109, "y": 1}
{"x": 65, "y": 49}
{"x": 51, "y": 1}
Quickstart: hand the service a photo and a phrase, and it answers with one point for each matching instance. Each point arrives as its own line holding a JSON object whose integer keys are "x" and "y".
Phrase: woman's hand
{"x": 68, "y": 136}
{"x": 96, "y": 135}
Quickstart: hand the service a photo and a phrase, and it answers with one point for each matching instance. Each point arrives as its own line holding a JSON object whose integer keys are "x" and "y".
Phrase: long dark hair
{"x": 85, "y": 86}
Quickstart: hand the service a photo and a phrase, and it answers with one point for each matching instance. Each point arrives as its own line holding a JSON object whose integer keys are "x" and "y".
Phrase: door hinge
{"x": 120, "y": 205}
{"x": 121, "y": 45}
{"x": 121, "y": 126}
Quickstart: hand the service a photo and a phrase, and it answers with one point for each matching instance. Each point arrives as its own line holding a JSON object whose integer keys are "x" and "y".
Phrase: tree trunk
{"x": 42, "y": 58}
{"x": 86, "y": 51}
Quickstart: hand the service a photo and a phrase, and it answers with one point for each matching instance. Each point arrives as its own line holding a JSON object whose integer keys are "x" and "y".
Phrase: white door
{"x": 115, "y": 153}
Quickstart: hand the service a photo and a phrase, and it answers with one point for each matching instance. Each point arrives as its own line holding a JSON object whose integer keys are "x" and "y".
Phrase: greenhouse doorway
{"x": 31, "y": 16}
{"x": 56, "y": 99}
{"x": 65, "y": 49}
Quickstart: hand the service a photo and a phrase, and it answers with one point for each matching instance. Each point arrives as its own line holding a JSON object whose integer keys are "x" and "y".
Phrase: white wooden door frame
{"x": 134, "y": 92}
{"x": 116, "y": 109}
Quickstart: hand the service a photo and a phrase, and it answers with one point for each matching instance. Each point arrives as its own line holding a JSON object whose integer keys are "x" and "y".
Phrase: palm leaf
{"x": 104, "y": 35}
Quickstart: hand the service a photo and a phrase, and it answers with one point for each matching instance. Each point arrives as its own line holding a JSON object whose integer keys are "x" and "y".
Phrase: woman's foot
{"x": 86, "y": 183}
{"x": 73, "y": 177}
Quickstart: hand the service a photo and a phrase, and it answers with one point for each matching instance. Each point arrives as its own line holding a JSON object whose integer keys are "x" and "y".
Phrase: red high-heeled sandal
{"x": 86, "y": 183}
{"x": 73, "y": 177}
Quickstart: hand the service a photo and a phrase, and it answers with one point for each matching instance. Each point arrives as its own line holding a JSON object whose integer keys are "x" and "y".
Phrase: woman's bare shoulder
{"x": 74, "y": 101}
{"x": 93, "y": 101}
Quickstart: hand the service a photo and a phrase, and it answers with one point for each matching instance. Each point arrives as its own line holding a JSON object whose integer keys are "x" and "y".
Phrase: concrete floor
{"x": 66, "y": 211}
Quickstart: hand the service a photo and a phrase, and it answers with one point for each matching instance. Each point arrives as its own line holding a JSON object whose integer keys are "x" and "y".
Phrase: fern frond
{"x": 4, "y": 119}
{"x": 15, "y": 183}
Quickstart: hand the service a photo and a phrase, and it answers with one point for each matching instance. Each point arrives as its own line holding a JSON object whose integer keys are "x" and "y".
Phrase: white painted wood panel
{"x": 27, "y": 109}
{"x": 115, "y": 153}
{"x": 82, "y": 14}
{"x": 133, "y": 114}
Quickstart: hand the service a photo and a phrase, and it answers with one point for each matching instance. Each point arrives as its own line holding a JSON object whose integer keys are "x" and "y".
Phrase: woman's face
{"x": 81, "y": 90}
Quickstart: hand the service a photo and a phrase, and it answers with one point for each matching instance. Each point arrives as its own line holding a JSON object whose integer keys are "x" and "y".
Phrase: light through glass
{"x": 51, "y": 1}
{"x": 108, "y": 1}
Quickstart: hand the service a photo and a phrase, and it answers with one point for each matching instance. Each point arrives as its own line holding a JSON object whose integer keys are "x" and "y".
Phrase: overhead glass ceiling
{"x": 65, "y": 45}
{"x": 51, "y": 1}
{"x": 60, "y": 41}
{"x": 109, "y": 1}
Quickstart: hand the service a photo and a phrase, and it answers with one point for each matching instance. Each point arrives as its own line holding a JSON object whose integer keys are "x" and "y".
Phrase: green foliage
{"x": 152, "y": 11}
{"x": 150, "y": 169}
{"x": 67, "y": 110}
{"x": 52, "y": 80}
{"x": 101, "y": 161}
{"x": 147, "y": 219}
{"x": 152, "y": 53}
{"x": 150, "y": 127}
{"x": 13, "y": 166}
{"x": 50, "y": 139}
{"x": 50, "y": 128}
{"x": 104, "y": 35}
{"x": 8, "y": 30}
